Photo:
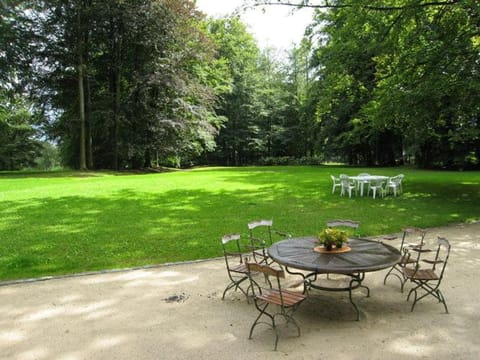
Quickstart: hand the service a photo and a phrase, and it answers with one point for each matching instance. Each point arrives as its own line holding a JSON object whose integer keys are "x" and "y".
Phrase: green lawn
{"x": 58, "y": 223}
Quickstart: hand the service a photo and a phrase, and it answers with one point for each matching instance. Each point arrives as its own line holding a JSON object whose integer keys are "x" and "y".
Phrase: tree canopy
{"x": 133, "y": 84}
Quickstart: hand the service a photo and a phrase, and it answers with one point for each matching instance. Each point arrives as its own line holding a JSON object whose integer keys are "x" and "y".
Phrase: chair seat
{"x": 240, "y": 268}
{"x": 290, "y": 298}
{"x": 421, "y": 274}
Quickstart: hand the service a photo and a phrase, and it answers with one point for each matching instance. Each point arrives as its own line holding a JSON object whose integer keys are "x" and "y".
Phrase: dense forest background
{"x": 137, "y": 84}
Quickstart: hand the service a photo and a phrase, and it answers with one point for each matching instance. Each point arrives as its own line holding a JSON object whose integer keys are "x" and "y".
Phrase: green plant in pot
{"x": 332, "y": 237}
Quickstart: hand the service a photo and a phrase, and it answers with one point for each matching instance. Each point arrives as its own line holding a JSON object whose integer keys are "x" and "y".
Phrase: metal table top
{"x": 365, "y": 256}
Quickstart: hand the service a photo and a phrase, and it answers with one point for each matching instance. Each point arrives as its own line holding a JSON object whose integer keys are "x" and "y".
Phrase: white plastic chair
{"x": 336, "y": 183}
{"x": 348, "y": 185}
{"x": 378, "y": 186}
{"x": 394, "y": 184}
{"x": 362, "y": 182}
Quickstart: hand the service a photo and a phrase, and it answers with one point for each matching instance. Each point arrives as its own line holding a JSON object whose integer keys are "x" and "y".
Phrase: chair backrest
{"x": 393, "y": 180}
{"x": 439, "y": 263}
{"x": 268, "y": 272}
{"x": 442, "y": 255}
{"x": 398, "y": 179}
{"x": 411, "y": 231}
{"x": 346, "y": 223}
{"x": 259, "y": 238}
{"x": 230, "y": 237}
{"x": 256, "y": 223}
{"x": 363, "y": 174}
{"x": 345, "y": 180}
{"x": 231, "y": 248}
{"x": 379, "y": 182}
{"x": 268, "y": 225}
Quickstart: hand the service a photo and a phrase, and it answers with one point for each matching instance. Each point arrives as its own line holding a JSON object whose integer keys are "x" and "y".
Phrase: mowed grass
{"x": 69, "y": 222}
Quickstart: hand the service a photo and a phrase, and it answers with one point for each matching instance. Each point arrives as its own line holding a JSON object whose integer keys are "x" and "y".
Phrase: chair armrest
{"x": 420, "y": 250}
{"x": 257, "y": 241}
{"x": 230, "y": 253}
{"x": 432, "y": 261}
{"x": 282, "y": 233}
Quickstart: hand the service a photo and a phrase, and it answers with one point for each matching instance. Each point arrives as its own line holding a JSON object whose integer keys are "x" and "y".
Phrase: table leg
{"x": 356, "y": 282}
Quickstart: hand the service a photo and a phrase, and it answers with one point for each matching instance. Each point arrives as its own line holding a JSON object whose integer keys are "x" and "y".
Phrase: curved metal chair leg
{"x": 400, "y": 278}
{"x": 236, "y": 285}
{"x": 256, "y": 322}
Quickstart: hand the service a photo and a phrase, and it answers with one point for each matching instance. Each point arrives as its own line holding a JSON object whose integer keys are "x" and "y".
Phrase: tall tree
{"x": 238, "y": 49}
{"x": 140, "y": 91}
{"x": 393, "y": 82}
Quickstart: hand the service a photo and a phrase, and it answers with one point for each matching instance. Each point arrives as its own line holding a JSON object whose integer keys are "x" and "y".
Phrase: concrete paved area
{"x": 176, "y": 312}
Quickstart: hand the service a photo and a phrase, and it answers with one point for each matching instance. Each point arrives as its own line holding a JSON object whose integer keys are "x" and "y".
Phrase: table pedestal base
{"x": 354, "y": 282}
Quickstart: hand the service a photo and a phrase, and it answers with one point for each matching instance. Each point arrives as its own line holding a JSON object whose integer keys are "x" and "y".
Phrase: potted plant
{"x": 330, "y": 237}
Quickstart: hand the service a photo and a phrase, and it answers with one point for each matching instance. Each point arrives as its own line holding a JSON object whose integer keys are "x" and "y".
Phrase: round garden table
{"x": 364, "y": 256}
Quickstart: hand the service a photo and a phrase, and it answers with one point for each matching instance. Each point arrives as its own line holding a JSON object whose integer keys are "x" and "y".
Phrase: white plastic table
{"x": 361, "y": 180}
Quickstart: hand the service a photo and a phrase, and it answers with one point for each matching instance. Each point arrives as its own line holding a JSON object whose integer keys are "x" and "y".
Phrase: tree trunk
{"x": 88, "y": 118}
{"x": 88, "y": 106}
{"x": 81, "y": 93}
{"x": 116, "y": 53}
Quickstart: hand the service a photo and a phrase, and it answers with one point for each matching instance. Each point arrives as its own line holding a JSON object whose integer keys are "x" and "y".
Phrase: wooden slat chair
{"x": 406, "y": 260}
{"x": 260, "y": 233}
{"x": 346, "y": 223}
{"x": 429, "y": 279}
{"x": 273, "y": 301}
{"x": 236, "y": 268}
{"x": 354, "y": 225}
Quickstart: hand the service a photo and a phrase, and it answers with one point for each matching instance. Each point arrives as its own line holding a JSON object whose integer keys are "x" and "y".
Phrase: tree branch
{"x": 326, "y": 4}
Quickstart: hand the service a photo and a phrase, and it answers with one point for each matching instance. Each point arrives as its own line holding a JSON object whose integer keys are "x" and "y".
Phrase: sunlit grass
{"x": 57, "y": 223}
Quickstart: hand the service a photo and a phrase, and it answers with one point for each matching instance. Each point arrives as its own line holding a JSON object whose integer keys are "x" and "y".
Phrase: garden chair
{"x": 348, "y": 185}
{"x": 351, "y": 224}
{"x": 335, "y": 183}
{"x": 354, "y": 225}
{"x": 260, "y": 236}
{"x": 362, "y": 182}
{"x": 273, "y": 301}
{"x": 377, "y": 186}
{"x": 406, "y": 260}
{"x": 428, "y": 279}
{"x": 236, "y": 268}
{"x": 346, "y": 223}
{"x": 394, "y": 185}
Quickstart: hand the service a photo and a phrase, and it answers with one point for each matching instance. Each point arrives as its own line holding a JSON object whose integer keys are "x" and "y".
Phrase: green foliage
{"x": 18, "y": 144}
{"x": 398, "y": 82}
{"x": 329, "y": 237}
{"x": 290, "y": 160}
{"x": 124, "y": 83}
{"x": 55, "y": 223}
{"x": 133, "y": 84}
{"x": 48, "y": 158}
{"x": 237, "y": 49}
{"x": 261, "y": 108}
